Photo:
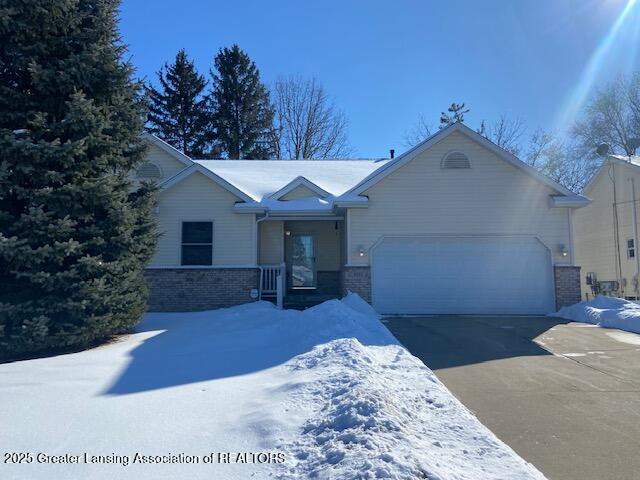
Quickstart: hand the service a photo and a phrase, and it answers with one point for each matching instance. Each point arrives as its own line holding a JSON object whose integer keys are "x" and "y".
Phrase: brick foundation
{"x": 567, "y": 280}
{"x": 357, "y": 280}
{"x": 189, "y": 289}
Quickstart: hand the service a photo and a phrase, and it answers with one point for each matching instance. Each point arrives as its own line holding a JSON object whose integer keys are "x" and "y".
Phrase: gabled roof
{"x": 196, "y": 168}
{"x": 632, "y": 161}
{"x": 392, "y": 165}
{"x": 299, "y": 181}
{"x": 260, "y": 179}
{"x": 174, "y": 152}
{"x": 261, "y": 183}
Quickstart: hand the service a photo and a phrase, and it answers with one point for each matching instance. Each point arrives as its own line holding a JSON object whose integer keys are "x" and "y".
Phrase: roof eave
{"x": 569, "y": 201}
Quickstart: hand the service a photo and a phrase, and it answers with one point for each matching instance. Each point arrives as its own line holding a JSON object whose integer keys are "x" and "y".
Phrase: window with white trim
{"x": 631, "y": 248}
{"x": 456, "y": 160}
{"x": 197, "y": 243}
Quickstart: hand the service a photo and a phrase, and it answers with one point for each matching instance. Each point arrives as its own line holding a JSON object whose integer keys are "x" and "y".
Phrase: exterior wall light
{"x": 361, "y": 251}
{"x": 563, "y": 250}
{"x": 288, "y": 233}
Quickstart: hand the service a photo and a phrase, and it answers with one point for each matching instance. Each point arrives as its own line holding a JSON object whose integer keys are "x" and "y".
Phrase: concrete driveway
{"x": 565, "y": 396}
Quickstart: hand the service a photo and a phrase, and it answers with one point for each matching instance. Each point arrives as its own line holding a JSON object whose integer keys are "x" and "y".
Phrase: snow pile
{"x": 607, "y": 312}
{"x": 329, "y": 388}
{"x": 378, "y": 412}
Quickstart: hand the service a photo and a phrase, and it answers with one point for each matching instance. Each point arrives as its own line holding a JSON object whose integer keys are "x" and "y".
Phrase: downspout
{"x": 635, "y": 233}
{"x": 266, "y": 216}
{"x": 616, "y": 230}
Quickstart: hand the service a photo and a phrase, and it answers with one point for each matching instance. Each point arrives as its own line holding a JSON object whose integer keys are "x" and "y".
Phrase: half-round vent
{"x": 456, "y": 160}
{"x": 149, "y": 171}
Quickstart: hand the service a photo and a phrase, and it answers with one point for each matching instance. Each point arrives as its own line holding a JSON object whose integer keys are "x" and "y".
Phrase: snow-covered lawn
{"x": 607, "y": 312}
{"x": 329, "y": 389}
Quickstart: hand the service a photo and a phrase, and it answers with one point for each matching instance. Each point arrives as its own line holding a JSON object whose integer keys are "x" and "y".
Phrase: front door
{"x": 303, "y": 262}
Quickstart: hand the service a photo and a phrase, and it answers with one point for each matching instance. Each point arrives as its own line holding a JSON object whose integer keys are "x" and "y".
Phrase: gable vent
{"x": 149, "y": 171}
{"x": 456, "y": 160}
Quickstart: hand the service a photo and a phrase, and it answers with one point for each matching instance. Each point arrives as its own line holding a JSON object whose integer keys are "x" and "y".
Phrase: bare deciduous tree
{"x": 418, "y": 133}
{"x": 612, "y": 117}
{"x": 504, "y": 132}
{"x": 306, "y": 123}
{"x": 559, "y": 160}
{"x": 539, "y": 144}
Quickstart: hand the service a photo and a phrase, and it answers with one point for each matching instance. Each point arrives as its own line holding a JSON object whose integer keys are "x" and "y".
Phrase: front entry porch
{"x": 306, "y": 254}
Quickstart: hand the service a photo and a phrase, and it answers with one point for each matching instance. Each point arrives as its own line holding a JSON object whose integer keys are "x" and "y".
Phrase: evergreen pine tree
{"x": 241, "y": 109}
{"x": 178, "y": 111}
{"x": 74, "y": 236}
{"x": 455, "y": 113}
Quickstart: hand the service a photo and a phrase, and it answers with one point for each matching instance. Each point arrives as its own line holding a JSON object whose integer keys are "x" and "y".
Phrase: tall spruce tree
{"x": 74, "y": 236}
{"x": 241, "y": 109}
{"x": 178, "y": 111}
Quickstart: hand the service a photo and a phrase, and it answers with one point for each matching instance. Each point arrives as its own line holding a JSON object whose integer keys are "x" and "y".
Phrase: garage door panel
{"x": 470, "y": 275}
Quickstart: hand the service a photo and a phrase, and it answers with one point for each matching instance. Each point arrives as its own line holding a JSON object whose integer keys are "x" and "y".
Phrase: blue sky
{"x": 387, "y": 62}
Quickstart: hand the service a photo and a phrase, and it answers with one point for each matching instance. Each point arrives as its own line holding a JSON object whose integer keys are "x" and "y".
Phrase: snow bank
{"x": 379, "y": 412}
{"x": 607, "y": 312}
{"x": 328, "y": 387}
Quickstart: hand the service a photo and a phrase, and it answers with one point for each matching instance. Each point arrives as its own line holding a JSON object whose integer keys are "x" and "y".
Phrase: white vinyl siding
{"x": 271, "y": 238}
{"x": 167, "y": 164}
{"x": 594, "y": 231}
{"x": 299, "y": 192}
{"x": 197, "y": 198}
{"x": 492, "y": 197}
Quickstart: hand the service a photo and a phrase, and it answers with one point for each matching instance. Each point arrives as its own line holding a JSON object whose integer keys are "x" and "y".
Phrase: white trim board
{"x": 197, "y": 267}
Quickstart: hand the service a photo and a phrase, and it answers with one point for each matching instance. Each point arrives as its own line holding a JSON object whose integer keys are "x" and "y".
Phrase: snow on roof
{"x": 261, "y": 178}
{"x": 634, "y": 159}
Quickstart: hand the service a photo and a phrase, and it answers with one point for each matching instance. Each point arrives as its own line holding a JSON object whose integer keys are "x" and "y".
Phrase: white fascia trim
{"x": 310, "y": 213}
{"x": 352, "y": 203}
{"x": 297, "y": 182}
{"x": 249, "y": 208}
{"x": 318, "y": 218}
{"x": 569, "y": 201}
{"x": 196, "y": 167}
{"x": 198, "y": 267}
{"x": 407, "y": 156}
{"x": 161, "y": 144}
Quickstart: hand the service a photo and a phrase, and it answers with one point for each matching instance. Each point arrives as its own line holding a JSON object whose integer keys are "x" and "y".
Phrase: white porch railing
{"x": 272, "y": 282}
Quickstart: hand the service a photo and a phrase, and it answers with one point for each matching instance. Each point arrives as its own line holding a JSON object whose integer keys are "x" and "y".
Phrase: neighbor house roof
{"x": 633, "y": 161}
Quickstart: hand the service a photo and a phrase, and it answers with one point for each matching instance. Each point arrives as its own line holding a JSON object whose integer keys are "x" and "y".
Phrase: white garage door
{"x": 462, "y": 275}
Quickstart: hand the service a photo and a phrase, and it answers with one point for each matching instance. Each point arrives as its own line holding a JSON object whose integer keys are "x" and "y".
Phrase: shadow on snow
{"x": 200, "y": 346}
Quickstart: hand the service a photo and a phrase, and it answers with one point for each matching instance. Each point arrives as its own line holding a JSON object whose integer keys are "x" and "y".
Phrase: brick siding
{"x": 567, "y": 280}
{"x": 357, "y": 280}
{"x": 182, "y": 290}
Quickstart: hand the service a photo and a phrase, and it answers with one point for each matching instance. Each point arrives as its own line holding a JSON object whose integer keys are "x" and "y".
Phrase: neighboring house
{"x": 606, "y": 231}
{"x": 455, "y": 225}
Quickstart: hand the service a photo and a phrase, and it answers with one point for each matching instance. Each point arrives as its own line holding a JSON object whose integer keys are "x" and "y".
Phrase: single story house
{"x": 607, "y": 230}
{"x": 455, "y": 225}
